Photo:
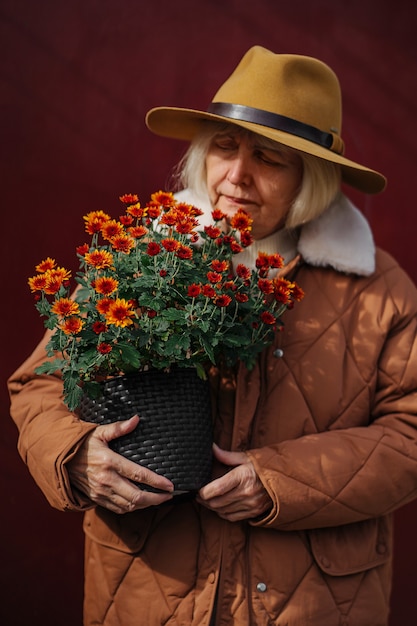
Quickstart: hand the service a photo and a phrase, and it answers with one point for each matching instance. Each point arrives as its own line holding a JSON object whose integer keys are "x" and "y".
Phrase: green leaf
{"x": 50, "y": 367}
{"x": 173, "y": 314}
{"x": 129, "y": 354}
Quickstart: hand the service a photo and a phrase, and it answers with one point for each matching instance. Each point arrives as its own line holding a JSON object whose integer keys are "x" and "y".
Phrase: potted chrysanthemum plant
{"x": 156, "y": 297}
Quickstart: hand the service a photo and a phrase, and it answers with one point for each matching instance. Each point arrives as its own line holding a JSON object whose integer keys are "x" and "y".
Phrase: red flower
{"x": 241, "y": 297}
{"x": 82, "y": 250}
{"x": 243, "y": 272}
{"x": 214, "y": 277}
{"x": 193, "y": 290}
{"x": 222, "y": 301}
{"x": 268, "y": 318}
{"x": 276, "y": 260}
{"x": 99, "y": 327}
{"x": 246, "y": 238}
{"x": 104, "y": 348}
{"x": 153, "y": 248}
{"x": 219, "y": 266}
{"x": 212, "y": 231}
{"x": 282, "y": 290}
{"x": 218, "y": 215}
{"x": 235, "y": 247}
{"x": 208, "y": 291}
{"x": 266, "y": 285}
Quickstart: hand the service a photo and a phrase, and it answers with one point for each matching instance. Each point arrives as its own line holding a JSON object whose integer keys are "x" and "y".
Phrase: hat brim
{"x": 178, "y": 123}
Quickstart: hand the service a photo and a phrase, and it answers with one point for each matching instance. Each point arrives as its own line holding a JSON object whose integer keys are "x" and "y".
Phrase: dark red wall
{"x": 76, "y": 78}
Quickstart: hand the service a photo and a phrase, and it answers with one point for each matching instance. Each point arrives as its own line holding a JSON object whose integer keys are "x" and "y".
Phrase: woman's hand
{"x": 106, "y": 477}
{"x": 239, "y": 494}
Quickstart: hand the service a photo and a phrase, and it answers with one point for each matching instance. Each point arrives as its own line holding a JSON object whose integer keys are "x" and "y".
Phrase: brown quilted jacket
{"x": 330, "y": 422}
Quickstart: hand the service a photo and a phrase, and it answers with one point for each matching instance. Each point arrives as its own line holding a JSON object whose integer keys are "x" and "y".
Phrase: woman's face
{"x": 245, "y": 172}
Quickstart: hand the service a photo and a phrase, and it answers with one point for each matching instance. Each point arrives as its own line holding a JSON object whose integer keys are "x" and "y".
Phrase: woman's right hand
{"x": 106, "y": 477}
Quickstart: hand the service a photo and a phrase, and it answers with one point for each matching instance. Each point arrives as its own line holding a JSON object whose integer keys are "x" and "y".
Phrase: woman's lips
{"x": 239, "y": 201}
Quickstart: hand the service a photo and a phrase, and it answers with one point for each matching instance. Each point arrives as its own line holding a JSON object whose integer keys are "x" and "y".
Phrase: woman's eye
{"x": 225, "y": 144}
{"x": 267, "y": 159}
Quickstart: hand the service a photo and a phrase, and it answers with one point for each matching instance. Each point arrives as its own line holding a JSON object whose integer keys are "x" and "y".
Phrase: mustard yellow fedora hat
{"x": 293, "y": 99}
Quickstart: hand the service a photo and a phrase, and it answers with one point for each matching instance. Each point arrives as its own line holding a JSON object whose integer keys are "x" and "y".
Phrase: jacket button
{"x": 278, "y": 353}
{"x": 211, "y": 577}
{"x": 261, "y": 587}
{"x": 381, "y": 548}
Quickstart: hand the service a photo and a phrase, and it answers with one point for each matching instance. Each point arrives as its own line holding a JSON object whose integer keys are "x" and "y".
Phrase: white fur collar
{"x": 340, "y": 238}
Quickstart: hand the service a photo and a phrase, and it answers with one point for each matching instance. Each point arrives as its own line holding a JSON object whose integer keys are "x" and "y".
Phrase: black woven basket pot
{"x": 174, "y": 434}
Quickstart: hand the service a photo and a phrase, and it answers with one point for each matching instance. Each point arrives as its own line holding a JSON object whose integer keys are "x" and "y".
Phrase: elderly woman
{"x": 315, "y": 447}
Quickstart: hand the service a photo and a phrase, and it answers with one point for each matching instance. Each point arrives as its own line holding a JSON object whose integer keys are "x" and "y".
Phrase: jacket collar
{"x": 340, "y": 238}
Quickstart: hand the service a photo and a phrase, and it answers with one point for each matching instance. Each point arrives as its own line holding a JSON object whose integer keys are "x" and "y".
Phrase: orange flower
{"x": 126, "y": 220}
{"x": 105, "y": 285}
{"x": 282, "y": 289}
{"x": 297, "y": 293}
{"x": 218, "y": 215}
{"x": 100, "y": 259}
{"x": 153, "y": 210}
{"x": 170, "y": 244}
{"x": 222, "y": 301}
{"x": 184, "y": 252}
{"x": 185, "y": 227}
{"x": 103, "y": 305}
{"x": 138, "y": 231}
{"x": 65, "y": 307}
{"x": 111, "y": 229}
{"x": 94, "y": 221}
{"x": 129, "y": 198}
{"x": 55, "y": 279}
{"x": 47, "y": 264}
{"x": 120, "y": 313}
{"x": 72, "y": 325}
{"x": 170, "y": 218}
{"x": 165, "y": 198}
{"x": 123, "y": 243}
{"x": 37, "y": 283}
{"x": 219, "y": 266}
{"x": 241, "y": 221}
{"x": 214, "y": 277}
{"x": 136, "y": 210}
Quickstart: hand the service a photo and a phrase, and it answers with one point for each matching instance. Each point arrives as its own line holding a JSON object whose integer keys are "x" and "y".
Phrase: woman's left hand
{"x": 239, "y": 494}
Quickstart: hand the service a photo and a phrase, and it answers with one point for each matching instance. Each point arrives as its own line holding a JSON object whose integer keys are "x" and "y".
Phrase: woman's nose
{"x": 239, "y": 170}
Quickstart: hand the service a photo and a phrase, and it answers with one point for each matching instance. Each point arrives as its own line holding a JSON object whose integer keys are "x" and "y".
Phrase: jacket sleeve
{"x": 346, "y": 475}
{"x": 49, "y": 435}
